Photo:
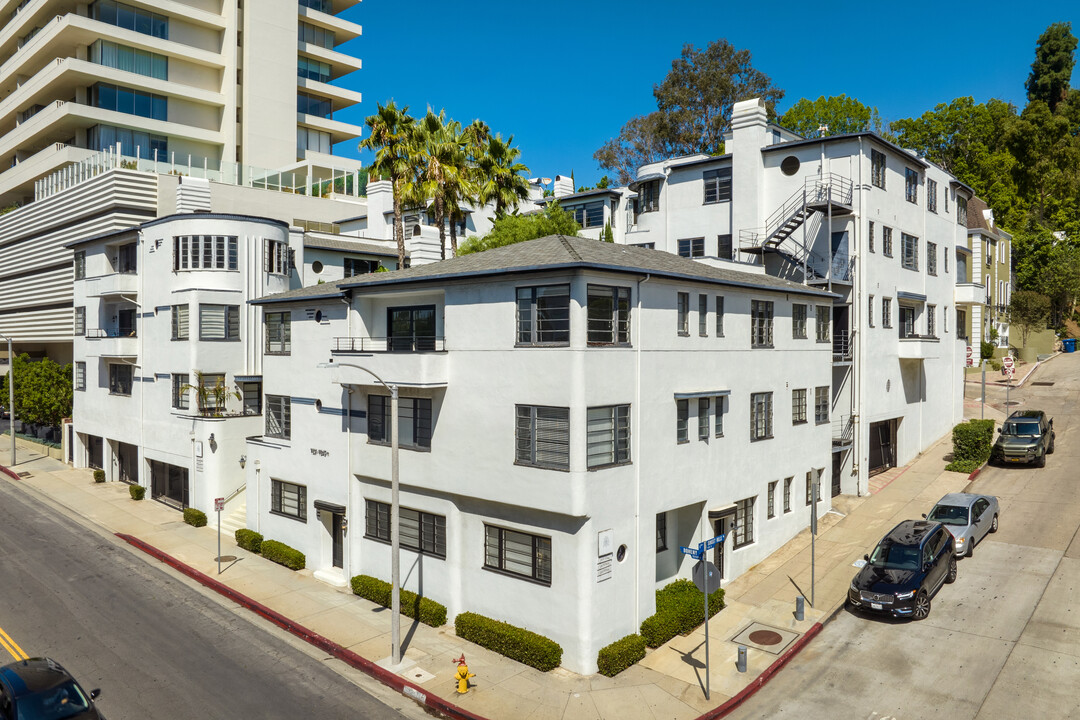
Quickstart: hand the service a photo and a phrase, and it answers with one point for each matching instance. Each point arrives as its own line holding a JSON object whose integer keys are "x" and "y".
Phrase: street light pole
{"x": 395, "y": 523}
{"x": 11, "y": 396}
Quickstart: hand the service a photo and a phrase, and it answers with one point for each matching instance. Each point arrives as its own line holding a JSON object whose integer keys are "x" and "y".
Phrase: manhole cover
{"x": 765, "y": 637}
{"x": 1010, "y": 403}
{"x": 1043, "y": 384}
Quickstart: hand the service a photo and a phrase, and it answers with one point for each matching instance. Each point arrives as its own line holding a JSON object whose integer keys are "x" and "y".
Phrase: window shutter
{"x": 553, "y": 436}
{"x": 232, "y": 313}
{"x": 212, "y": 322}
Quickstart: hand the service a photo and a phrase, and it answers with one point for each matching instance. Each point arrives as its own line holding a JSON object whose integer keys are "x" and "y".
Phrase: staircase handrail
{"x": 235, "y": 492}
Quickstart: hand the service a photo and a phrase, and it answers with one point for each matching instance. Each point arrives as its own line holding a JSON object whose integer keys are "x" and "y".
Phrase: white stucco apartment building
{"x": 854, "y": 214}
{"x": 571, "y": 413}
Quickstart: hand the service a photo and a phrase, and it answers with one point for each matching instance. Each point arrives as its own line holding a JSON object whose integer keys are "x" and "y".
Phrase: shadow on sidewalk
{"x": 689, "y": 659}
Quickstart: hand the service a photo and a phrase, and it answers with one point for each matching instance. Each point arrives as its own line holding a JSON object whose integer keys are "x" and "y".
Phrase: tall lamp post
{"x": 395, "y": 525}
{"x": 11, "y": 395}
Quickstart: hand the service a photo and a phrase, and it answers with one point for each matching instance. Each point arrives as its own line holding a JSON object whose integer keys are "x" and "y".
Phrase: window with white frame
{"x": 80, "y": 264}
{"x": 288, "y": 499}
{"x": 542, "y": 436}
{"x": 909, "y": 248}
{"x": 649, "y": 196}
{"x": 608, "y": 436}
{"x": 608, "y": 315}
{"x": 692, "y": 247}
{"x": 798, "y": 406}
{"x": 543, "y": 315}
{"x": 798, "y": 320}
{"x": 80, "y": 321}
{"x": 421, "y": 532}
{"x": 719, "y": 425}
{"x": 877, "y": 168}
{"x": 809, "y": 488}
{"x": 682, "y": 420}
{"x": 931, "y": 320}
{"x": 704, "y": 407}
{"x": 80, "y": 375}
{"x": 911, "y": 185}
{"x": 219, "y": 322}
{"x": 205, "y": 252}
{"x": 870, "y": 236}
{"x": 278, "y": 416}
{"x": 744, "y": 522}
{"x": 684, "y": 313}
{"x": 719, "y": 316}
{"x": 278, "y": 333}
{"x": 823, "y": 314}
{"x": 180, "y": 382}
{"x": 517, "y": 553}
{"x": 179, "y": 322}
{"x": 414, "y": 421}
{"x": 703, "y": 315}
{"x": 886, "y": 312}
{"x": 886, "y": 241}
{"x": 761, "y": 323}
{"x": 787, "y": 493}
{"x": 821, "y": 404}
{"x": 931, "y": 258}
{"x": 760, "y": 416}
{"x": 772, "y": 499}
{"x": 277, "y": 257}
{"x": 717, "y": 185}
{"x": 931, "y": 195}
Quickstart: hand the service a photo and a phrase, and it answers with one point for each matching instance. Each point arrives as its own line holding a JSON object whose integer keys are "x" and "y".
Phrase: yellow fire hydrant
{"x": 462, "y": 675}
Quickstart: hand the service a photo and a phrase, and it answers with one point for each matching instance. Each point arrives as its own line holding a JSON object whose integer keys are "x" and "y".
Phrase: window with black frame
{"x": 412, "y": 329}
{"x": 288, "y": 499}
{"x": 608, "y": 315}
{"x": 543, "y": 315}
{"x": 717, "y": 185}
{"x": 278, "y": 333}
{"x": 608, "y": 436}
{"x": 120, "y": 379}
{"x": 761, "y": 323}
{"x": 421, "y": 532}
{"x": 744, "y": 522}
{"x": 517, "y": 553}
{"x": 278, "y": 416}
{"x": 414, "y": 421}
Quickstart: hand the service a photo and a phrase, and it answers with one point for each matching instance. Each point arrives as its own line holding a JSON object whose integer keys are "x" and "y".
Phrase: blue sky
{"x": 562, "y": 77}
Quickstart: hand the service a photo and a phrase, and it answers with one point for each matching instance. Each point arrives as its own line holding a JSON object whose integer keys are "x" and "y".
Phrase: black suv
{"x": 906, "y": 569}
{"x": 42, "y": 688}
{"x": 1026, "y": 437}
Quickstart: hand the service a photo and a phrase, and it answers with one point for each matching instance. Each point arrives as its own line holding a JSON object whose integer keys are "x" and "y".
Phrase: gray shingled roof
{"x": 550, "y": 253}
{"x": 322, "y": 242}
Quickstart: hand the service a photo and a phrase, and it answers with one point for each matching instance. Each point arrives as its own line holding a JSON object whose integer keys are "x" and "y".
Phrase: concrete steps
{"x": 235, "y": 518}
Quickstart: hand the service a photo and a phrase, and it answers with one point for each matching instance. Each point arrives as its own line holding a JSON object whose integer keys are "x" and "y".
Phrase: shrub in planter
{"x": 249, "y": 540}
{"x": 138, "y": 492}
{"x": 195, "y": 518}
{"x": 99, "y": 476}
{"x": 509, "y": 640}
{"x": 679, "y": 609}
{"x": 282, "y": 554}
{"x": 972, "y": 442}
{"x": 619, "y": 655}
{"x": 415, "y": 606}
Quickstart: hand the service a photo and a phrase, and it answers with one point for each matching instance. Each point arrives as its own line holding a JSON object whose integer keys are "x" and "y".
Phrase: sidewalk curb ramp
{"x": 386, "y": 677}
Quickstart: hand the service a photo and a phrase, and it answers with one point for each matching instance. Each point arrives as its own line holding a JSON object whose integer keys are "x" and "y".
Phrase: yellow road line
{"x": 11, "y": 646}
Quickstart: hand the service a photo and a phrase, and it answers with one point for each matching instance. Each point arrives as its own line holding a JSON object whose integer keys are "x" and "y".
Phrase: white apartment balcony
{"x": 919, "y": 347}
{"x": 112, "y": 285}
{"x": 419, "y": 362}
{"x": 343, "y": 29}
{"x": 340, "y": 97}
{"x": 341, "y": 63}
{"x": 111, "y": 343}
{"x": 339, "y": 131}
{"x": 18, "y": 182}
{"x": 970, "y": 294}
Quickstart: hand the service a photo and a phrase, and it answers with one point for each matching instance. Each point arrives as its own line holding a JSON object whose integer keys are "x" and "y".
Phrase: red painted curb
{"x": 759, "y": 682}
{"x": 345, "y": 655}
{"x": 10, "y": 473}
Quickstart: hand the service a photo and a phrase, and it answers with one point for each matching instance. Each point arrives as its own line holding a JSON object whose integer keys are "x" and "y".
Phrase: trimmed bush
{"x": 138, "y": 492}
{"x": 679, "y": 609}
{"x": 986, "y": 350}
{"x": 194, "y": 518}
{"x": 972, "y": 442}
{"x": 249, "y": 540}
{"x": 619, "y": 655}
{"x": 509, "y": 641}
{"x": 415, "y": 606}
{"x": 282, "y": 554}
{"x": 99, "y": 476}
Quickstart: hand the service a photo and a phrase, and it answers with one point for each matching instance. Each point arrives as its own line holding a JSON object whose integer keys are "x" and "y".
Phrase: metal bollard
{"x": 800, "y": 607}
{"x": 740, "y": 664}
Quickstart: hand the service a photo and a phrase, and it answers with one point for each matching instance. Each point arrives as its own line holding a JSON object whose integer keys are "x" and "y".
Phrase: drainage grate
{"x": 1043, "y": 384}
{"x": 25, "y": 475}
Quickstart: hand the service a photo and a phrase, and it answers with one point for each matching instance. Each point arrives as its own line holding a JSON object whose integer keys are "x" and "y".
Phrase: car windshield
{"x": 1020, "y": 427}
{"x": 949, "y": 514}
{"x": 56, "y": 703}
{"x": 895, "y": 557}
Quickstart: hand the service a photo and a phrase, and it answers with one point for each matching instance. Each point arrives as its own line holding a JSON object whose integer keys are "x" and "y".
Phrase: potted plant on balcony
{"x": 211, "y": 399}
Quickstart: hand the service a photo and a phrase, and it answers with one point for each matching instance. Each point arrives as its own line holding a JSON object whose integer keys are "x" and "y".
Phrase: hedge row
{"x": 249, "y": 540}
{"x": 195, "y": 518}
{"x": 508, "y": 640}
{"x": 619, "y": 655}
{"x": 679, "y": 609}
{"x": 282, "y": 554}
{"x": 972, "y": 442}
{"x": 419, "y": 608}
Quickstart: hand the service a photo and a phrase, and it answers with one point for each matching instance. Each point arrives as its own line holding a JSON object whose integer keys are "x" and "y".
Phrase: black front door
{"x": 837, "y": 464}
{"x": 338, "y": 533}
{"x": 882, "y": 446}
{"x": 718, "y": 551}
{"x": 127, "y": 457}
{"x": 94, "y": 453}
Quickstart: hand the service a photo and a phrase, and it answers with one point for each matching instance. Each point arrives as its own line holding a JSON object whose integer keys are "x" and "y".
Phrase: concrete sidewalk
{"x": 668, "y": 683}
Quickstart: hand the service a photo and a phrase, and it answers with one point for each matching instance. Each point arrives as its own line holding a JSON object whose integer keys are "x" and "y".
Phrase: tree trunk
{"x": 399, "y": 229}
{"x": 440, "y": 218}
{"x": 453, "y": 235}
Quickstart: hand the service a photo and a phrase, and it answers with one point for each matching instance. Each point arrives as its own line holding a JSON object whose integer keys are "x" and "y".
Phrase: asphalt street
{"x": 1001, "y": 642}
{"x": 155, "y": 645}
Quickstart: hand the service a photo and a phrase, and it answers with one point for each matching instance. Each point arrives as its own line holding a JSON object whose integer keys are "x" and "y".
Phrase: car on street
{"x": 968, "y": 517}
{"x": 906, "y": 569}
{"x": 1026, "y": 436}
{"x": 41, "y": 689}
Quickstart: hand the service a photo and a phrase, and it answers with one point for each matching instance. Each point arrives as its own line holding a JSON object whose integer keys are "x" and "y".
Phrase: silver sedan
{"x": 968, "y": 517}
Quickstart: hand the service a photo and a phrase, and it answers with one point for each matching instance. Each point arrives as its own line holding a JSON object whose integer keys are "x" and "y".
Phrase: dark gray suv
{"x": 1026, "y": 437}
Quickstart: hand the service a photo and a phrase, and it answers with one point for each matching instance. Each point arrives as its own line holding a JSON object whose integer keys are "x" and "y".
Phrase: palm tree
{"x": 501, "y": 177}
{"x": 390, "y": 136}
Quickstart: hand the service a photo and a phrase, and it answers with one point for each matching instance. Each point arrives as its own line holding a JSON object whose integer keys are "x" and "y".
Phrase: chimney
{"x": 749, "y": 133}
{"x": 564, "y": 185}
{"x": 380, "y": 201}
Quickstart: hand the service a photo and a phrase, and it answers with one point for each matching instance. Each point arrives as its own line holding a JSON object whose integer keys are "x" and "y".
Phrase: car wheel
{"x": 970, "y": 547}
{"x": 922, "y": 606}
{"x": 1051, "y": 448}
{"x": 951, "y": 577}
{"x": 993, "y": 525}
{"x": 1041, "y": 461}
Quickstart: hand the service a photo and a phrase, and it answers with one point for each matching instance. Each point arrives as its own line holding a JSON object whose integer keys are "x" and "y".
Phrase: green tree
{"x": 1047, "y": 154}
{"x": 510, "y": 229}
{"x": 1053, "y": 66}
{"x": 1048, "y": 265}
{"x": 693, "y": 108}
{"x": 43, "y": 390}
{"x": 1028, "y": 312}
{"x": 501, "y": 175}
{"x": 842, "y": 114}
{"x": 442, "y": 172}
{"x": 391, "y": 137}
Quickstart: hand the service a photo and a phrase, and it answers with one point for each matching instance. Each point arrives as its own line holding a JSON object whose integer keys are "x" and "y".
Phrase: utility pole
{"x": 11, "y": 396}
